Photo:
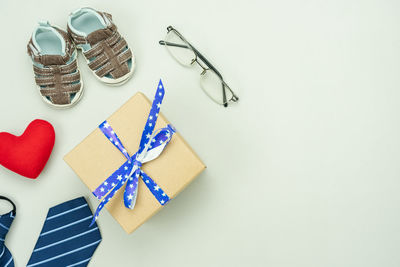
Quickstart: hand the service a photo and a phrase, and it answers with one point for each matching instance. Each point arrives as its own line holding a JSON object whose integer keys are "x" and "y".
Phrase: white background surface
{"x": 303, "y": 171}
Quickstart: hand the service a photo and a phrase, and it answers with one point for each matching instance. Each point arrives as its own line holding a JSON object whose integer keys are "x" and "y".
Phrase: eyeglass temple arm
{"x": 172, "y": 44}
{"x": 197, "y": 53}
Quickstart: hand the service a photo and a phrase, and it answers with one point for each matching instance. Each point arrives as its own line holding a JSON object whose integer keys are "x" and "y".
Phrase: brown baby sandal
{"x": 106, "y": 51}
{"x": 54, "y": 64}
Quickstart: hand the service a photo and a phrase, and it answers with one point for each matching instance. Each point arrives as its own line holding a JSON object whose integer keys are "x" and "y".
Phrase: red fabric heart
{"x": 28, "y": 154}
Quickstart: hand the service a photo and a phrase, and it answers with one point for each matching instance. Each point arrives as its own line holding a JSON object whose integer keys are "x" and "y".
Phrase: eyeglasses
{"x": 211, "y": 80}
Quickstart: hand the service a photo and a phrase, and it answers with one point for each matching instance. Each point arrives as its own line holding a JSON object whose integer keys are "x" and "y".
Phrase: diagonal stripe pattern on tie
{"x": 6, "y": 259}
{"x": 66, "y": 238}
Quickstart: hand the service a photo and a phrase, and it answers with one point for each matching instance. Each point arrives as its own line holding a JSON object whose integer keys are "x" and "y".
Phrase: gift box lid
{"x": 95, "y": 159}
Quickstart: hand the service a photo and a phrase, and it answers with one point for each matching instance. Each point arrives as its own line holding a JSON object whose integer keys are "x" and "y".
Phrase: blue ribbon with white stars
{"x": 151, "y": 146}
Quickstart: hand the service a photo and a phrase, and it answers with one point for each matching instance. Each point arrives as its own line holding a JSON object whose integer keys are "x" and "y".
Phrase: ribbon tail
{"x": 153, "y": 115}
{"x": 158, "y": 193}
{"x": 131, "y": 189}
{"x": 106, "y": 200}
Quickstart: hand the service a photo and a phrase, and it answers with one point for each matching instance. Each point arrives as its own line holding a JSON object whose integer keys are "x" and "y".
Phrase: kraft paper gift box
{"x": 95, "y": 159}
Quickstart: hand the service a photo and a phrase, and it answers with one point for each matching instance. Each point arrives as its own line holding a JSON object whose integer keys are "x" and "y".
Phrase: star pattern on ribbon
{"x": 151, "y": 145}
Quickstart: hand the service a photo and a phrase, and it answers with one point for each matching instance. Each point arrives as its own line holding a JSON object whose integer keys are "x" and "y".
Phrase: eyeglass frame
{"x": 208, "y": 66}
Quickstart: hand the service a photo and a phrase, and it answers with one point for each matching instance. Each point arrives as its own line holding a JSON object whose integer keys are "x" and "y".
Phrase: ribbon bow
{"x": 151, "y": 146}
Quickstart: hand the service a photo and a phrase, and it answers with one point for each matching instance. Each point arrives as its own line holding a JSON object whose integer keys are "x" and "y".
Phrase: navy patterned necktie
{"x": 6, "y": 220}
{"x": 66, "y": 238}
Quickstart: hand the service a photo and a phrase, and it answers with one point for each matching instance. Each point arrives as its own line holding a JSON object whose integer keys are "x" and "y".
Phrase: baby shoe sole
{"x": 120, "y": 81}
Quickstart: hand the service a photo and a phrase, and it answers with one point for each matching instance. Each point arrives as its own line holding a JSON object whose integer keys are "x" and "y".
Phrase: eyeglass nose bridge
{"x": 205, "y": 69}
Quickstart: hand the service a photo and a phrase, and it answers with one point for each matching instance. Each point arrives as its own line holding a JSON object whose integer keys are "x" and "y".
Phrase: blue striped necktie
{"x": 6, "y": 220}
{"x": 66, "y": 238}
